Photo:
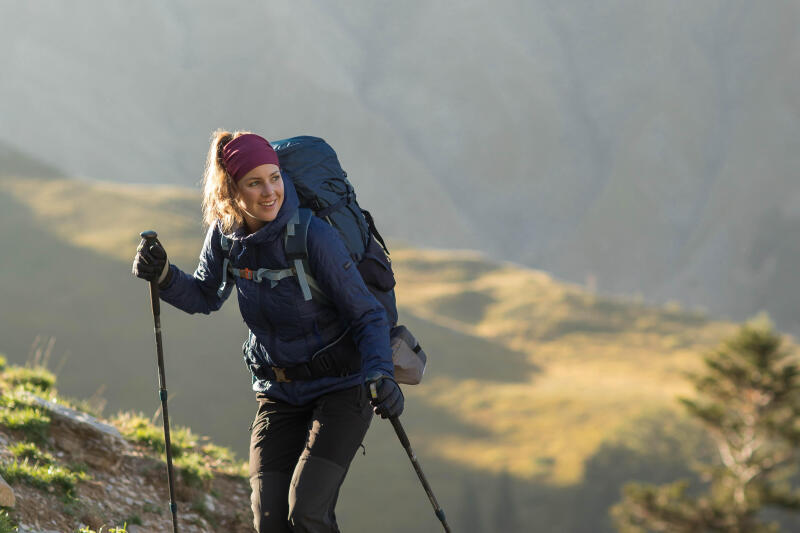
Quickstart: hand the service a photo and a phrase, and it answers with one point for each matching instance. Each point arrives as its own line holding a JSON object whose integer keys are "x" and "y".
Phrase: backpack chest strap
{"x": 308, "y": 284}
{"x": 296, "y": 249}
{"x": 262, "y": 274}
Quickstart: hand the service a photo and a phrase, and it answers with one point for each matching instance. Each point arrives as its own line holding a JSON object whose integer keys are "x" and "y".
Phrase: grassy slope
{"x": 62, "y": 487}
{"x": 527, "y": 375}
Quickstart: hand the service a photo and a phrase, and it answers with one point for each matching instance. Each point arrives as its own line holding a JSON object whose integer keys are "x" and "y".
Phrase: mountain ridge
{"x": 645, "y": 146}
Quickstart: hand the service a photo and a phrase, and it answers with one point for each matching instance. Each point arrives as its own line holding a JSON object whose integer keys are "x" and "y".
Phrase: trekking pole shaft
{"x": 401, "y": 434}
{"x": 162, "y": 389}
{"x": 162, "y": 393}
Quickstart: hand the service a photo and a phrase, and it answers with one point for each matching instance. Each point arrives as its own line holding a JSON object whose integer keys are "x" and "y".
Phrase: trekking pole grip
{"x": 149, "y": 237}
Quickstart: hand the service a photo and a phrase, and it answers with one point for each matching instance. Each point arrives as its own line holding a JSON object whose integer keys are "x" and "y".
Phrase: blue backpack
{"x": 324, "y": 190}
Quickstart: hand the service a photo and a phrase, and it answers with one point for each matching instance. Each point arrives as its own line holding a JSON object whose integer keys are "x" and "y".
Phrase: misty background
{"x": 644, "y": 148}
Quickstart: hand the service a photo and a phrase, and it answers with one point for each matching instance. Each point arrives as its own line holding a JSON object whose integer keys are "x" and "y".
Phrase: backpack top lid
{"x": 322, "y": 186}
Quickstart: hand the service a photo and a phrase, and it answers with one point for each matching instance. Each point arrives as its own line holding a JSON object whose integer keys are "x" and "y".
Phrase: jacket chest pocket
{"x": 250, "y": 305}
{"x": 283, "y": 306}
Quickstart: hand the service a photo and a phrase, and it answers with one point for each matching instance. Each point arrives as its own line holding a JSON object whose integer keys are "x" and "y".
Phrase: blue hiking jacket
{"x": 286, "y": 330}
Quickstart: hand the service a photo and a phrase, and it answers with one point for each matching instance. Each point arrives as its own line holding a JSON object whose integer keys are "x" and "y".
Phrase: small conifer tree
{"x": 748, "y": 398}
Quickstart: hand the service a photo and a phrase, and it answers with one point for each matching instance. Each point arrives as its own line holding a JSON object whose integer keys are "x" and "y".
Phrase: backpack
{"x": 324, "y": 190}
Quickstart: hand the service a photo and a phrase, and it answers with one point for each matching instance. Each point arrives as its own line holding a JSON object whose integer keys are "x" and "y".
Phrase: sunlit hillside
{"x": 535, "y": 388}
{"x": 557, "y": 369}
{"x": 105, "y": 217}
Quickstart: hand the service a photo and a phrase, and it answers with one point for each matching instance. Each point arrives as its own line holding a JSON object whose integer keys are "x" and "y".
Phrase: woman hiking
{"x": 307, "y": 429}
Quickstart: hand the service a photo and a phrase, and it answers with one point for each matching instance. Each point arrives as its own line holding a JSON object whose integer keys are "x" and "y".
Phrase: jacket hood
{"x": 275, "y": 228}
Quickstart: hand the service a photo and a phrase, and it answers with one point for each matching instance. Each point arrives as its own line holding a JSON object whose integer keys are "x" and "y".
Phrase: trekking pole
{"x": 401, "y": 434}
{"x": 149, "y": 237}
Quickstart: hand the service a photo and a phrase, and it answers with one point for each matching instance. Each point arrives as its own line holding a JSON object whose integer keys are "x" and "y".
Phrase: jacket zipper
{"x": 333, "y": 343}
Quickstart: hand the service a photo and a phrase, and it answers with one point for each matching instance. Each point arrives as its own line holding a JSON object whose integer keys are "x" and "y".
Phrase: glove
{"x": 151, "y": 262}
{"x": 385, "y": 395}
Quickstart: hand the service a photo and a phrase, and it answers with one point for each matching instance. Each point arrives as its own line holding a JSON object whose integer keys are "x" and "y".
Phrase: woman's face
{"x": 259, "y": 194}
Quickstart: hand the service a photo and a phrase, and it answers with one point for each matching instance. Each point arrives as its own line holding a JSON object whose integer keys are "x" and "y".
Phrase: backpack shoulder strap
{"x": 296, "y": 237}
{"x": 296, "y": 247}
{"x": 225, "y": 243}
{"x": 295, "y": 244}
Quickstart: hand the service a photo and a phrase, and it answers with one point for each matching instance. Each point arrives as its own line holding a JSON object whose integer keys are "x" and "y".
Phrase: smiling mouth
{"x": 268, "y": 204}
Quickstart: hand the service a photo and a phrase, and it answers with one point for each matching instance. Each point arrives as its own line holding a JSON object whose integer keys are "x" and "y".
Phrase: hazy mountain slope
{"x": 650, "y": 146}
{"x": 101, "y": 124}
{"x": 15, "y": 163}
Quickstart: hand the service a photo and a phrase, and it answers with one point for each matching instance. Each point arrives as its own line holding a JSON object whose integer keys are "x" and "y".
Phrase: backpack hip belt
{"x": 339, "y": 358}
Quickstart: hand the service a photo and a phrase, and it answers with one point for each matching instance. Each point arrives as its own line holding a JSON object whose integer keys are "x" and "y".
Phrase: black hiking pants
{"x": 299, "y": 456}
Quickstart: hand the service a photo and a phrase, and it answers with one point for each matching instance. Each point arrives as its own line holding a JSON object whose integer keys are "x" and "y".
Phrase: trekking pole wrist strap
{"x": 372, "y": 381}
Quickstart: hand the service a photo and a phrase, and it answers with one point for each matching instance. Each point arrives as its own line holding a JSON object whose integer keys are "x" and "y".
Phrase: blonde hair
{"x": 219, "y": 191}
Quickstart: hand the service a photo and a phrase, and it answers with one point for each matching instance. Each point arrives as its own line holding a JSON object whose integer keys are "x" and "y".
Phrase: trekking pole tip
{"x": 148, "y": 235}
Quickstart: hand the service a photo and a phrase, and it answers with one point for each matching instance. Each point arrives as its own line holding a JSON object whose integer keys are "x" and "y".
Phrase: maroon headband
{"x": 246, "y": 152}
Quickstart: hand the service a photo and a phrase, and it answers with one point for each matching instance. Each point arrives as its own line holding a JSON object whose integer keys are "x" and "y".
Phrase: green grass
{"x": 152, "y": 508}
{"x": 197, "y": 462}
{"x": 7, "y": 524}
{"x": 33, "y": 422}
{"x": 134, "y": 520}
{"x": 17, "y": 411}
{"x": 195, "y": 469}
{"x": 138, "y": 428}
{"x": 199, "y": 507}
{"x": 34, "y": 379}
{"x": 31, "y": 452}
{"x": 42, "y": 476}
{"x": 183, "y": 440}
{"x": 122, "y": 529}
{"x": 32, "y": 464}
